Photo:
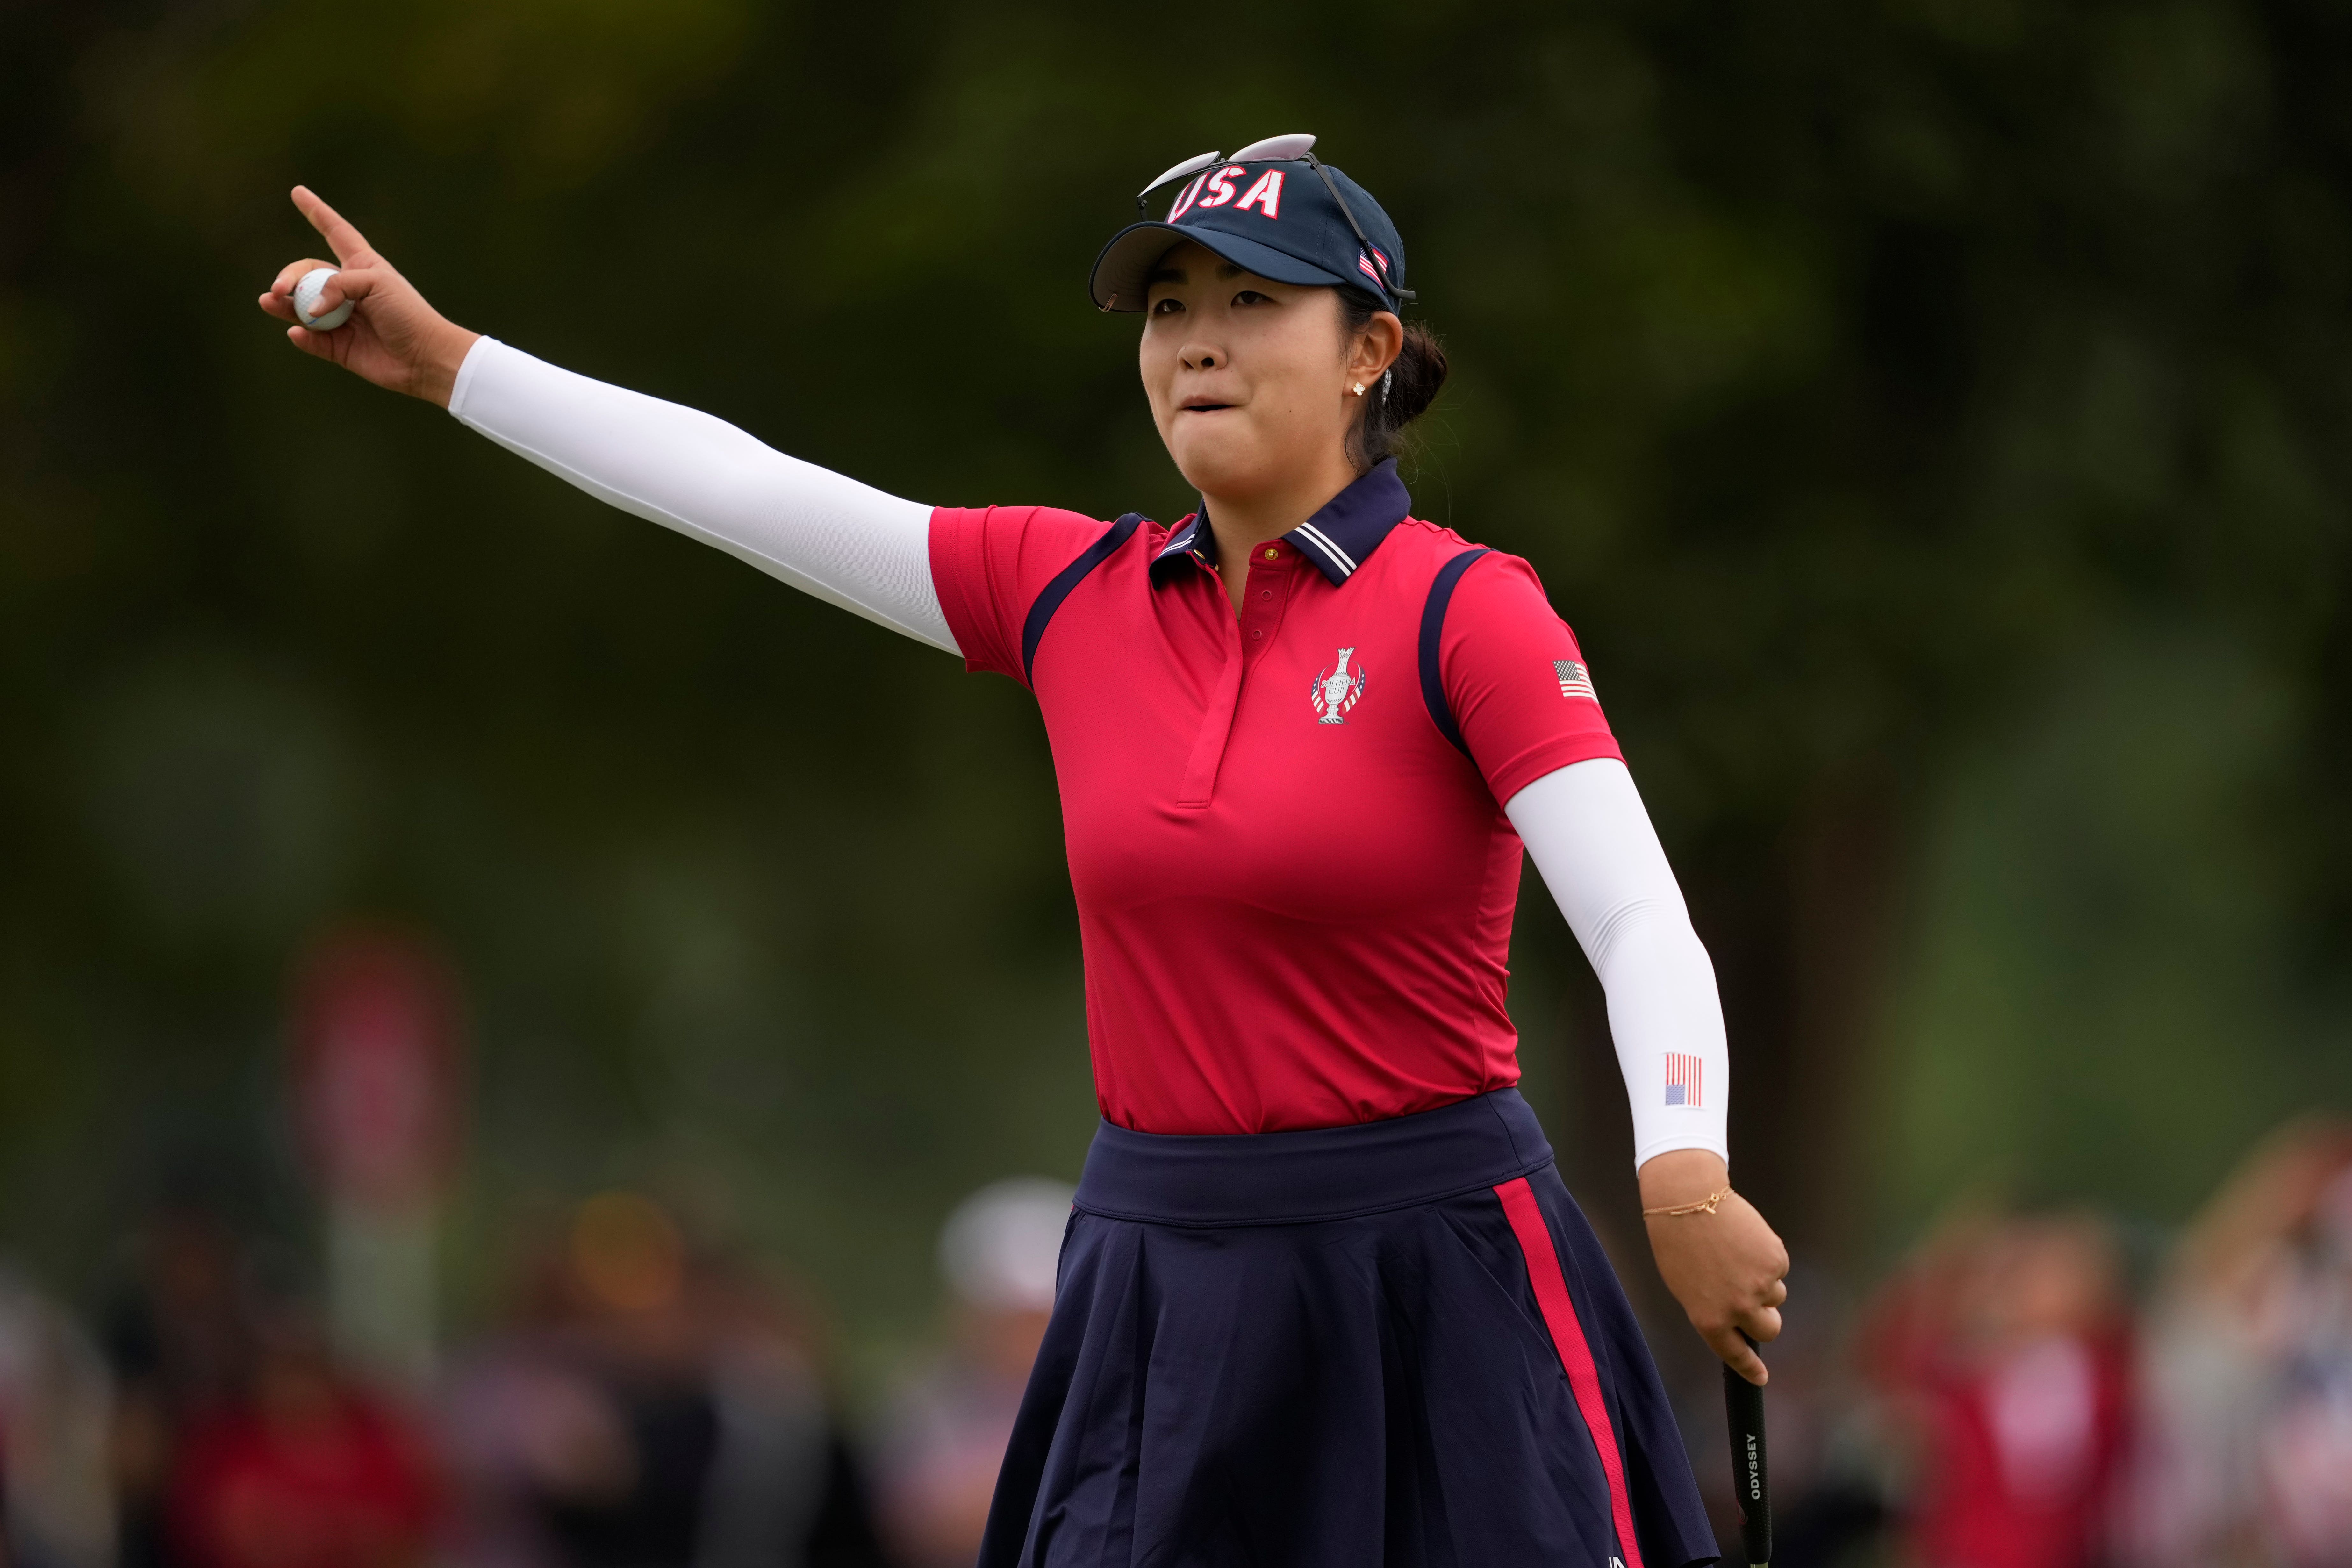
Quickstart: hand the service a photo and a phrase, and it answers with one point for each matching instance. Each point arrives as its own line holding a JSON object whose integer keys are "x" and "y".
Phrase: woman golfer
{"x": 1324, "y": 1300}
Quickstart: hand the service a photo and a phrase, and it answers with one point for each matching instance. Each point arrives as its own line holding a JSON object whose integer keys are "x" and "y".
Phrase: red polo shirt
{"x": 1294, "y": 889}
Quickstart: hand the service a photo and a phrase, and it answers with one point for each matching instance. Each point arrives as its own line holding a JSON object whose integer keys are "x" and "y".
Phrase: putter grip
{"x": 1743, "y": 1402}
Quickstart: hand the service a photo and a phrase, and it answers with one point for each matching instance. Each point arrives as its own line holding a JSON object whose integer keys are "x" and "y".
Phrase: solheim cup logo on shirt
{"x": 1337, "y": 690}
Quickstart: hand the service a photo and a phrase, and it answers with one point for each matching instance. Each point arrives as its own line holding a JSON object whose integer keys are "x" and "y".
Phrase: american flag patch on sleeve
{"x": 1682, "y": 1078}
{"x": 1574, "y": 679}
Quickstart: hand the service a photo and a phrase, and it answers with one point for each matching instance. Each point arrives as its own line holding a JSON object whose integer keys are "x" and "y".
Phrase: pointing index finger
{"x": 349, "y": 244}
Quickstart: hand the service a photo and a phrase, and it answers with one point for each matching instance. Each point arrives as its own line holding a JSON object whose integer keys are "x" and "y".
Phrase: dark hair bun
{"x": 1412, "y": 382}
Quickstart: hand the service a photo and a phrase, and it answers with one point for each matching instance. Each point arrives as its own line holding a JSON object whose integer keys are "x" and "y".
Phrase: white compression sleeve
{"x": 847, "y": 543}
{"x": 1591, "y": 838}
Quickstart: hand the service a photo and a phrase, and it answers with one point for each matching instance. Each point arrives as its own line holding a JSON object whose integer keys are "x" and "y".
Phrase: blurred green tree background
{"x": 1932, "y": 416}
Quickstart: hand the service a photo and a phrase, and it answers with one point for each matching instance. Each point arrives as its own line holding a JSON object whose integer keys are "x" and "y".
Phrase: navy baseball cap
{"x": 1272, "y": 208}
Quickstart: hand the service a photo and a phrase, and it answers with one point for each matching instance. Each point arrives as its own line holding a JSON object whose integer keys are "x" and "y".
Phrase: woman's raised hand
{"x": 393, "y": 339}
{"x": 1724, "y": 1265}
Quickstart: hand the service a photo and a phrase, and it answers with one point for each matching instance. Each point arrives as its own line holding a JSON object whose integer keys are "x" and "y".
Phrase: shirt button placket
{"x": 1264, "y": 597}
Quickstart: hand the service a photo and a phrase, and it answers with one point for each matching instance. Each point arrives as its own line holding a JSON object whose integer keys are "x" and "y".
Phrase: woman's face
{"x": 1250, "y": 379}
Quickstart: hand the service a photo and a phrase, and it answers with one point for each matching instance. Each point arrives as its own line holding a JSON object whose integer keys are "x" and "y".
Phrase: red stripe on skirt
{"x": 1575, "y": 1355}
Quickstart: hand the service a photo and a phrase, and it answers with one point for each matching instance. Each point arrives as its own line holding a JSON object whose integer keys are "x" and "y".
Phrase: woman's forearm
{"x": 1591, "y": 838}
{"x": 845, "y": 542}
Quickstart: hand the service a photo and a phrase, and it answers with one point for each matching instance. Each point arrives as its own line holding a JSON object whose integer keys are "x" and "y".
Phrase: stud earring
{"x": 1359, "y": 389}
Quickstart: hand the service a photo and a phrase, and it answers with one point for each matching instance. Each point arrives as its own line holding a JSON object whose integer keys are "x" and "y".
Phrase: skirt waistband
{"x": 1323, "y": 1172}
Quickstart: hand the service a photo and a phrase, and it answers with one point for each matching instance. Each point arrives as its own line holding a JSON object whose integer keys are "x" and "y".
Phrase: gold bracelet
{"x": 1704, "y": 1206}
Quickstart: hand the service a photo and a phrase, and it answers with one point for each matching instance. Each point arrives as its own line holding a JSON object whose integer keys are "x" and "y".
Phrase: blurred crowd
{"x": 644, "y": 1402}
{"x": 2025, "y": 1391}
{"x": 2022, "y": 1391}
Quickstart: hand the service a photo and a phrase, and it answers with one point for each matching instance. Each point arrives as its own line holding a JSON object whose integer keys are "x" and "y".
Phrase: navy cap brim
{"x": 1122, "y": 274}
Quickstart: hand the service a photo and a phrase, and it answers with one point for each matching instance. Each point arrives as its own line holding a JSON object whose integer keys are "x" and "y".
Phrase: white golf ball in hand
{"x": 306, "y": 301}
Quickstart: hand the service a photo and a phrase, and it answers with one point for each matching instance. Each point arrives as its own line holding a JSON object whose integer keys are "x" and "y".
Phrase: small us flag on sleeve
{"x": 1574, "y": 679}
{"x": 1681, "y": 1079}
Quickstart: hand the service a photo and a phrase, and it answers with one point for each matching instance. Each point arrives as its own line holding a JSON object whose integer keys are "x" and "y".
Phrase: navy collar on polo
{"x": 1339, "y": 538}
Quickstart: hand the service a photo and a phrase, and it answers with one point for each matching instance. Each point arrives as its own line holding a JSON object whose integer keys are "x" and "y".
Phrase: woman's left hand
{"x": 1727, "y": 1268}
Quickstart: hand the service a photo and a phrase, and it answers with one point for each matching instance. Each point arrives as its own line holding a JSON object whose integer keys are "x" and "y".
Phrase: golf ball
{"x": 306, "y": 301}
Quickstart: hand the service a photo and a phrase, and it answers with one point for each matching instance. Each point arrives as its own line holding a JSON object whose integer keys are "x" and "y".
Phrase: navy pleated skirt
{"x": 1397, "y": 1344}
